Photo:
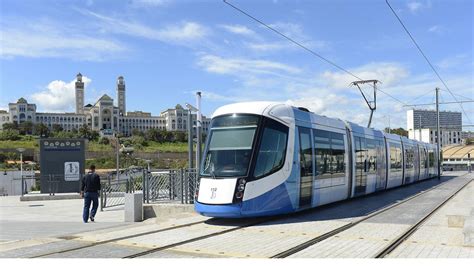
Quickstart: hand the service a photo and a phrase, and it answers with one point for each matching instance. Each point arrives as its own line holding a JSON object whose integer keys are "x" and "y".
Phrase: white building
{"x": 102, "y": 115}
{"x": 421, "y": 125}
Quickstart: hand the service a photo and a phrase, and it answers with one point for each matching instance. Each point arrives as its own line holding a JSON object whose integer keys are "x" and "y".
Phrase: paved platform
{"x": 22, "y": 220}
{"x": 265, "y": 240}
{"x": 443, "y": 235}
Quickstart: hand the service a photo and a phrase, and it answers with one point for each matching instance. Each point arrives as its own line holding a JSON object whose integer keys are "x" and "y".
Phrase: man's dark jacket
{"x": 90, "y": 182}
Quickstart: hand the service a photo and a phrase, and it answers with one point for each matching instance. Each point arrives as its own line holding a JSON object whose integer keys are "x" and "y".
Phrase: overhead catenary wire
{"x": 424, "y": 94}
{"x": 467, "y": 98}
{"x": 306, "y": 48}
{"x": 426, "y": 58}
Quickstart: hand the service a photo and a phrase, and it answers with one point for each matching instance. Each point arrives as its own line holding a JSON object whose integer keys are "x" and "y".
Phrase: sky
{"x": 167, "y": 50}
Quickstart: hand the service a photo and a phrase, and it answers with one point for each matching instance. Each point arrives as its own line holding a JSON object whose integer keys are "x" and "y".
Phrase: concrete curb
{"x": 50, "y": 197}
{"x": 166, "y": 210}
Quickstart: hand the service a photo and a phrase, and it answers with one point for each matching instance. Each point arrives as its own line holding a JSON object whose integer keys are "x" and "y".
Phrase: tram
{"x": 267, "y": 158}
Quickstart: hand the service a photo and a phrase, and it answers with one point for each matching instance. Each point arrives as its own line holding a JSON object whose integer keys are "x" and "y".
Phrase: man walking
{"x": 90, "y": 192}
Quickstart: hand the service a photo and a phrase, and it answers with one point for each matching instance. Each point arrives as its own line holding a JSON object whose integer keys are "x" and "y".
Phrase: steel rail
{"x": 338, "y": 230}
{"x": 120, "y": 238}
{"x": 153, "y": 250}
{"x": 398, "y": 241}
{"x": 260, "y": 221}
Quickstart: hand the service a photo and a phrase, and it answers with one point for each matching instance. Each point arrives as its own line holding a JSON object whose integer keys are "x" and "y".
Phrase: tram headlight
{"x": 240, "y": 188}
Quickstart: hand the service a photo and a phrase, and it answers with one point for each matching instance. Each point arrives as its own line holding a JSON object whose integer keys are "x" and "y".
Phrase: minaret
{"x": 121, "y": 96}
{"x": 79, "y": 94}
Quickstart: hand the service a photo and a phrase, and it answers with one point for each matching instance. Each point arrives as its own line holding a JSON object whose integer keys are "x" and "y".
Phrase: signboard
{"x": 71, "y": 171}
{"x": 62, "y": 163}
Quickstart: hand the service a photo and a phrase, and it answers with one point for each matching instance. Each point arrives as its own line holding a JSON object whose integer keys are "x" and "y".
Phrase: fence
{"x": 175, "y": 185}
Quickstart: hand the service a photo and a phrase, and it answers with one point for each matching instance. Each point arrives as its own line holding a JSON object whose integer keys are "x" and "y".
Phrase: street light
{"x": 21, "y": 151}
{"x": 190, "y": 134}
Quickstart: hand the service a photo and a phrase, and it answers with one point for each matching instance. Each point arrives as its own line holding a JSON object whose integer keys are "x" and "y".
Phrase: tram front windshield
{"x": 230, "y": 146}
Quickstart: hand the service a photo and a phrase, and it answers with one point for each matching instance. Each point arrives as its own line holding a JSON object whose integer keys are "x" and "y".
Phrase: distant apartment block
{"x": 421, "y": 125}
{"x": 103, "y": 115}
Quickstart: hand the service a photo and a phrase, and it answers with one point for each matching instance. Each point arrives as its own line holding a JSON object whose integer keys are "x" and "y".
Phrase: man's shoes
{"x": 92, "y": 219}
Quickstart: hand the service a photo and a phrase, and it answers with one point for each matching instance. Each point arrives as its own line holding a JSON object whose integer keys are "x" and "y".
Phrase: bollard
{"x": 133, "y": 207}
{"x": 182, "y": 185}
{"x": 101, "y": 200}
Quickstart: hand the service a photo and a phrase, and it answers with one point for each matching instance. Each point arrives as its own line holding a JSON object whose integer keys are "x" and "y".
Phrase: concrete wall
{"x": 10, "y": 183}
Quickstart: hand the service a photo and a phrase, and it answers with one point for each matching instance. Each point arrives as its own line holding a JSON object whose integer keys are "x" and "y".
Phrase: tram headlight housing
{"x": 240, "y": 188}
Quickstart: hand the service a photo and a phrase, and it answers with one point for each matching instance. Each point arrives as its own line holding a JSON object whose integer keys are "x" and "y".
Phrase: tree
{"x": 26, "y": 128}
{"x": 399, "y": 131}
{"x": 41, "y": 130}
{"x": 57, "y": 128}
{"x": 180, "y": 136}
{"x": 137, "y": 132}
{"x": 9, "y": 134}
{"x": 12, "y": 125}
{"x": 84, "y": 132}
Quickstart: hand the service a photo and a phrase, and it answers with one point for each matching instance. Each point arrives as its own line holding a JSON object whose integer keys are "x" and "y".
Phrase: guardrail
{"x": 157, "y": 185}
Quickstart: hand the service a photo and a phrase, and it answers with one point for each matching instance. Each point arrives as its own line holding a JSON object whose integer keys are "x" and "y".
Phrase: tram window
{"x": 329, "y": 151}
{"x": 371, "y": 156}
{"x": 271, "y": 154}
{"x": 322, "y": 145}
{"x": 230, "y": 146}
{"x": 410, "y": 157}
{"x": 361, "y": 165}
{"x": 338, "y": 155}
{"x": 381, "y": 158}
{"x": 306, "y": 152}
{"x": 395, "y": 158}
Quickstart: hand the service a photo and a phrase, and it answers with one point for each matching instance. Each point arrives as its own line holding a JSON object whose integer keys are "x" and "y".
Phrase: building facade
{"x": 421, "y": 125}
{"x": 103, "y": 115}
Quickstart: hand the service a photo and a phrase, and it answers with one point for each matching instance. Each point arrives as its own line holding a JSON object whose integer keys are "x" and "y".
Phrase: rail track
{"x": 258, "y": 221}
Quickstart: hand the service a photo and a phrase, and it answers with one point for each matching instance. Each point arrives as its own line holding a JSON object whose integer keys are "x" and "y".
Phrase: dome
{"x": 21, "y": 100}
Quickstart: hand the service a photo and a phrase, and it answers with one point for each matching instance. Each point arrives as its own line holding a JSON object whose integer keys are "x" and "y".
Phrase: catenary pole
{"x": 198, "y": 131}
{"x": 190, "y": 139}
{"x": 438, "y": 139}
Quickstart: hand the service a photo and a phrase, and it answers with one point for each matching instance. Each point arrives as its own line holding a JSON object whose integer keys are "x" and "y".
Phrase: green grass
{"x": 165, "y": 147}
{"x": 94, "y": 146}
{"x": 27, "y": 144}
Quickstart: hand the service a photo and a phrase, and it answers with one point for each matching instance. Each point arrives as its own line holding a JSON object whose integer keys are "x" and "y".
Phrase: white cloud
{"x": 47, "y": 39}
{"x": 237, "y": 66}
{"x": 284, "y": 45}
{"x": 179, "y": 33}
{"x": 415, "y": 6}
{"x": 59, "y": 96}
{"x": 238, "y": 29}
{"x": 437, "y": 29}
{"x": 460, "y": 60}
{"x": 291, "y": 30}
{"x": 388, "y": 73}
{"x": 149, "y": 3}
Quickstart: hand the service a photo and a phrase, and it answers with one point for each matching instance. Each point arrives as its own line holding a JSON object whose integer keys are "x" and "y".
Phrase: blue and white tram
{"x": 265, "y": 158}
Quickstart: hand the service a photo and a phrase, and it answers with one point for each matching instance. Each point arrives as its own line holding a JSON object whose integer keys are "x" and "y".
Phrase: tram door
{"x": 306, "y": 167}
{"x": 360, "y": 146}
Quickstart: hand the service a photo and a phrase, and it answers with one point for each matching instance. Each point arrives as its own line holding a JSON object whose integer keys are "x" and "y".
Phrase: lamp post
{"x": 21, "y": 150}
{"x": 190, "y": 134}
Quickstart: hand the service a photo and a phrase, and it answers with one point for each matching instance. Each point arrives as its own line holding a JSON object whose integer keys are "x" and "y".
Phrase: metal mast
{"x": 372, "y": 104}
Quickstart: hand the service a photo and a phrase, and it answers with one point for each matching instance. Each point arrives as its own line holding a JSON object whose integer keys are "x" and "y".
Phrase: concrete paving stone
{"x": 181, "y": 255}
{"x": 368, "y": 237}
{"x": 174, "y": 236}
{"x": 448, "y": 240}
{"x": 26, "y": 243}
{"x": 100, "y": 251}
{"x": 38, "y": 250}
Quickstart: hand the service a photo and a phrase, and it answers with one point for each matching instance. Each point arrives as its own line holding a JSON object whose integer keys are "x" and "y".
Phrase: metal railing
{"x": 157, "y": 185}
